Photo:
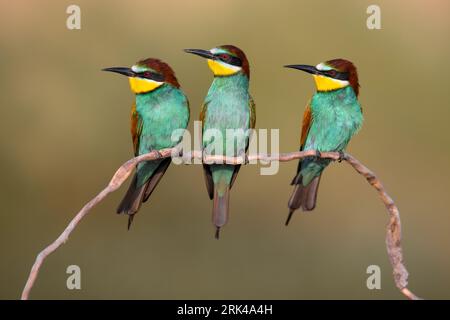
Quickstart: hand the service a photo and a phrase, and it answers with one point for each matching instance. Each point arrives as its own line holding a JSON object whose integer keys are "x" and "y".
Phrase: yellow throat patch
{"x": 220, "y": 69}
{"x": 143, "y": 85}
{"x": 328, "y": 84}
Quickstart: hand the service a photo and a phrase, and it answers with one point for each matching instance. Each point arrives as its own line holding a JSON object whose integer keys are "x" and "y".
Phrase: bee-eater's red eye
{"x": 224, "y": 56}
{"x": 332, "y": 73}
{"x": 147, "y": 74}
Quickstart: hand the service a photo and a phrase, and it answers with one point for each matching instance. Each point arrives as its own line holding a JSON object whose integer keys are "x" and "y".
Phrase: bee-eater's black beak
{"x": 304, "y": 67}
{"x": 122, "y": 70}
{"x": 202, "y": 53}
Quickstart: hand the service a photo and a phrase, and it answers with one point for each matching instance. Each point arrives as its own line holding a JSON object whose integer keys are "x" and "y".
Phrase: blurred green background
{"x": 65, "y": 129}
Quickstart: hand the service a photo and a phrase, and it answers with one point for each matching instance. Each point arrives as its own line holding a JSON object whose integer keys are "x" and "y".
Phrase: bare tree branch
{"x": 393, "y": 235}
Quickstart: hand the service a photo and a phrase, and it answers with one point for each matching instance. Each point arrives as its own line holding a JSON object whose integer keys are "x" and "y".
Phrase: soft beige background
{"x": 65, "y": 129}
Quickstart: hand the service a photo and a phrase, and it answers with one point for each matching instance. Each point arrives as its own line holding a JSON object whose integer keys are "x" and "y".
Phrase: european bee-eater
{"x": 331, "y": 118}
{"x": 160, "y": 108}
{"x": 228, "y": 105}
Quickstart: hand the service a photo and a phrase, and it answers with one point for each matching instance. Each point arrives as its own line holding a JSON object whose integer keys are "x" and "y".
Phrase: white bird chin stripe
{"x": 343, "y": 82}
{"x": 152, "y": 81}
{"x": 229, "y": 66}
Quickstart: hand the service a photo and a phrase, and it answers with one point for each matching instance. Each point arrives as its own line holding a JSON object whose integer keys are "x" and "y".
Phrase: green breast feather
{"x": 161, "y": 112}
{"x": 336, "y": 118}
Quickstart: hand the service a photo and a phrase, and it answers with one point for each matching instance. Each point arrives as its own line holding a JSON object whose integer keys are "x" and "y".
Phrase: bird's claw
{"x": 158, "y": 154}
{"x": 318, "y": 154}
{"x": 246, "y": 161}
{"x": 181, "y": 156}
{"x": 242, "y": 155}
{"x": 341, "y": 156}
{"x": 203, "y": 155}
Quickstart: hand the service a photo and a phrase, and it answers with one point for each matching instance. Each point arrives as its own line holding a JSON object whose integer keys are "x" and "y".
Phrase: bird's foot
{"x": 244, "y": 156}
{"x": 181, "y": 155}
{"x": 246, "y": 161}
{"x": 318, "y": 154}
{"x": 204, "y": 155}
{"x": 158, "y": 154}
{"x": 342, "y": 156}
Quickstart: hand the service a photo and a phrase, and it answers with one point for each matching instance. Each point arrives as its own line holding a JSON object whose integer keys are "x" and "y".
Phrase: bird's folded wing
{"x": 307, "y": 121}
{"x": 136, "y": 128}
{"x": 306, "y": 125}
{"x": 252, "y": 106}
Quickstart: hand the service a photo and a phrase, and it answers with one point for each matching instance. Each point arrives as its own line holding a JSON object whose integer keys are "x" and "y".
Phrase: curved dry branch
{"x": 393, "y": 235}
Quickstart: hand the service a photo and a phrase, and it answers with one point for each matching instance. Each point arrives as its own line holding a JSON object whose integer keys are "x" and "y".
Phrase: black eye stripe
{"x": 336, "y": 74}
{"x": 227, "y": 58}
{"x": 151, "y": 75}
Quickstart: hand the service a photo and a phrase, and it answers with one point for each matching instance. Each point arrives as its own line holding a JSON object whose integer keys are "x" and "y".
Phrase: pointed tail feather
{"x": 220, "y": 209}
{"x": 291, "y": 211}
{"x": 303, "y": 197}
{"x": 132, "y": 200}
{"x": 135, "y": 195}
{"x": 156, "y": 177}
{"x": 130, "y": 220}
{"x": 217, "y": 234}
